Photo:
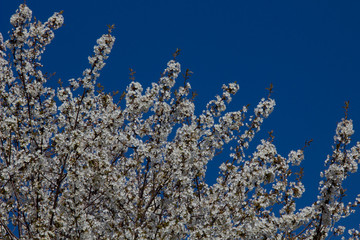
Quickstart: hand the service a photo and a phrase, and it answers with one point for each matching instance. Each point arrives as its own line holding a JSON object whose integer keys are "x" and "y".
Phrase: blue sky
{"x": 309, "y": 50}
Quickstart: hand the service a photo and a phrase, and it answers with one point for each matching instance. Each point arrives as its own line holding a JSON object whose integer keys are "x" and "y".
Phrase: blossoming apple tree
{"x": 74, "y": 164}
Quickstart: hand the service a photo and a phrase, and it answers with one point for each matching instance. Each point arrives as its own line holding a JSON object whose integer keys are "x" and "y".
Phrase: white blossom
{"x": 75, "y": 164}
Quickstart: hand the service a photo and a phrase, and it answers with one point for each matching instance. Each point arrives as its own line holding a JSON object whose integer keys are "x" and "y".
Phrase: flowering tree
{"x": 76, "y": 165}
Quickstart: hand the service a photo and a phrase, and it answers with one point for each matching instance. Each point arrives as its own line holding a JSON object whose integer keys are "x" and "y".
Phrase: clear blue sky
{"x": 308, "y": 49}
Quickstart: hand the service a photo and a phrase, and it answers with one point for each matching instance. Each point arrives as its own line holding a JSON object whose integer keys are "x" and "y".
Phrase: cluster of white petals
{"x": 74, "y": 164}
{"x": 296, "y": 157}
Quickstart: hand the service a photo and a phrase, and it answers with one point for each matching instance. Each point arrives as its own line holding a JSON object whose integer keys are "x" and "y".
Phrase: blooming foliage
{"x": 76, "y": 165}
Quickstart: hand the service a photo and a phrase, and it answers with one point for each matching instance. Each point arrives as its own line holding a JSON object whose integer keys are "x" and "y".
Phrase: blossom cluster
{"x": 74, "y": 164}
